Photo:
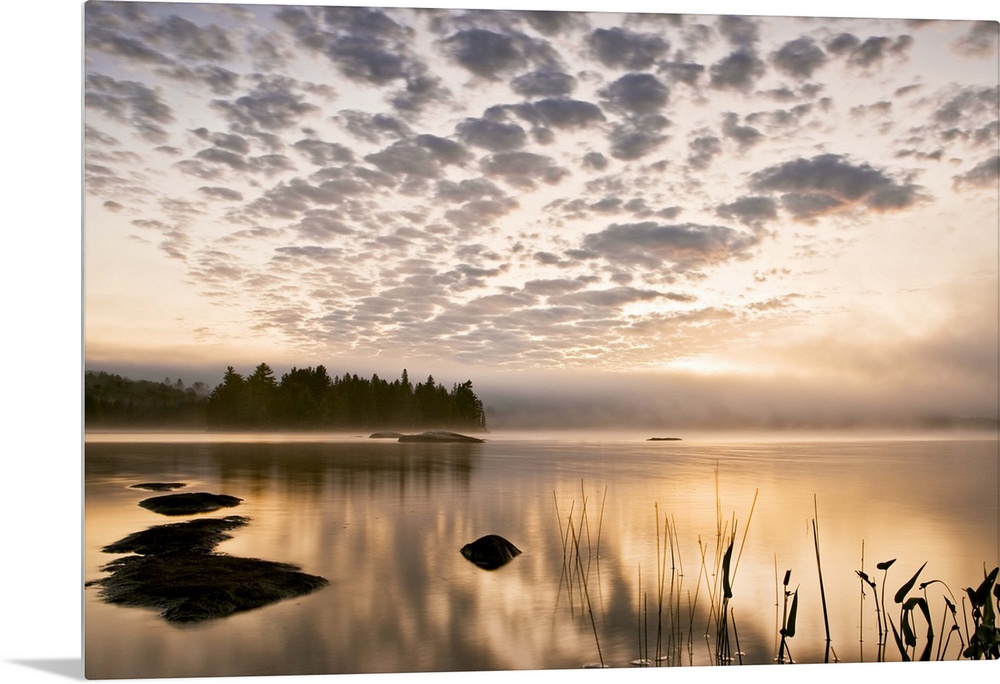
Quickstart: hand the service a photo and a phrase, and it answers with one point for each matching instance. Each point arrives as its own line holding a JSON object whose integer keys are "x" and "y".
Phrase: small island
{"x": 441, "y": 436}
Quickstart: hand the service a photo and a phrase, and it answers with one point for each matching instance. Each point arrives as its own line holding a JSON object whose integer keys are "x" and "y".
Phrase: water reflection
{"x": 384, "y": 523}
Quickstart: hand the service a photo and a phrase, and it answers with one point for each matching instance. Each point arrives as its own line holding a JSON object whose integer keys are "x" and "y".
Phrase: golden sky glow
{"x": 492, "y": 194}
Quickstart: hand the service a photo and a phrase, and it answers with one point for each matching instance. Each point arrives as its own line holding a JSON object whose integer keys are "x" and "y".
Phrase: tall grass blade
{"x": 905, "y": 589}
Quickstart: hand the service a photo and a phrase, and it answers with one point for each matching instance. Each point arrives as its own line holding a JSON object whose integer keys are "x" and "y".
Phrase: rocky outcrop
{"x": 440, "y": 436}
{"x": 189, "y": 502}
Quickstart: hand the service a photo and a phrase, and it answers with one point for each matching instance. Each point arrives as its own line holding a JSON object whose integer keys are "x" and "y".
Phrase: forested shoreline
{"x": 302, "y": 399}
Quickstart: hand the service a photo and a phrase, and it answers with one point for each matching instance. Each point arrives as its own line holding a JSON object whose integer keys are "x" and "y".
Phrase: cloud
{"x": 745, "y": 136}
{"x": 229, "y": 141}
{"x": 290, "y": 198}
{"x": 322, "y": 225}
{"x": 703, "y": 150}
{"x": 321, "y": 153}
{"x": 522, "y": 169}
{"x": 368, "y": 47}
{"x": 190, "y": 41}
{"x": 129, "y": 102}
{"x": 478, "y": 213}
{"x": 468, "y": 189}
{"x": 982, "y": 175}
{"x": 749, "y": 211}
{"x": 272, "y": 105}
{"x": 964, "y": 107}
{"x": 740, "y": 70}
{"x": 595, "y": 160}
{"x": 831, "y": 182}
{"x": 544, "y": 82}
{"x": 684, "y": 246}
{"x": 799, "y": 57}
{"x": 980, "y": 41}
{"x": 637, "y": 93}
{"x": 103, "y": 32}
{"x": 365, "y": 43}
{"x": 637, "y": 138}
{"x": 217, "y": 155}
{"x": 490, "y": 54}
{"x": 491, "y": 135}
{"x": 616, "y": 47}
{"x": 130, "y": 31}
{"x": 870, "y": 52}
{"x": 739, "y": 31}
{"x": 616, "y": 297}
{"x": 566, "y": 113}
{"x": 226, "y": 194}
{"x": 684, "y": 72}
{"x": 445, "y": 151}
{"x": 175, "y": 241}
{"x": 373, "y": 127}
{"x": 406, "y": 158}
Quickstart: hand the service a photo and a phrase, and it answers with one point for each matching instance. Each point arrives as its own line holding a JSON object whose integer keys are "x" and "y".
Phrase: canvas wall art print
{"x": 469, "y": 340}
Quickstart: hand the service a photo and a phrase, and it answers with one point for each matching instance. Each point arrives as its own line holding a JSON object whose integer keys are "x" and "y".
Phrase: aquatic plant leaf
{"x": 727, "y": 588}
{"x": 909, "y": 638}
{"x": 905, "y": 589}
{"x": 899, "y": 643}
{"x": 790, "y": 629}
{"x": 983, "y": 592}
{"x": 884, "y": 565}
{"x": 951, "y": 606}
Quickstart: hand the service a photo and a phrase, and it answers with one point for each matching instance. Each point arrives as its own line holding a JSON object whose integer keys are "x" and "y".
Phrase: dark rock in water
{"x": 193, "y": 502}
{"x": 385, "y": 435}
{"x": 191, "y": 537}
{"x": 664, "y": 439}
{"x": 490, "y": 552}
{"x": 159, "y": 486}
{"x": 196, "y": 587}
{"x": 440, "y": 436}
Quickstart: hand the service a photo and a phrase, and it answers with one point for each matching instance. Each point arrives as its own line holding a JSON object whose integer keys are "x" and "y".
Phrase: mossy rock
{"x": 490, "y": 552}
{"x": 198, "y": 587}
{"x": 159, "y": 486}
{"x": 191, "y": 537}
{"x": 189, "y": 502}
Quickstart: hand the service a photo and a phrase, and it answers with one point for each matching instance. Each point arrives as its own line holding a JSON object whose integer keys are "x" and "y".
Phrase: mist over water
{"x": 384, "y": 522}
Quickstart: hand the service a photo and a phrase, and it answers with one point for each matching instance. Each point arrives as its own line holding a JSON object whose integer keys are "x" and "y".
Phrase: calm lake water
{"x": 384, "y": 522}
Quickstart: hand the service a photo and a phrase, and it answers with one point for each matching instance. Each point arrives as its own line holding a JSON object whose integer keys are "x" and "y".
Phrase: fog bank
{"x": 676, "y": 401}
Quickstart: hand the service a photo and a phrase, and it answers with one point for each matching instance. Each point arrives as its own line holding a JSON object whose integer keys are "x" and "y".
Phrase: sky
{"x": 662, "y": 219}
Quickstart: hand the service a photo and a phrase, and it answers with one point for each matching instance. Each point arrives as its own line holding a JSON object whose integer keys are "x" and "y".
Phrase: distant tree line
{"x": 308, "y": 398}
{"x": 303, "y": 399}
{"x": 113, "y": 401}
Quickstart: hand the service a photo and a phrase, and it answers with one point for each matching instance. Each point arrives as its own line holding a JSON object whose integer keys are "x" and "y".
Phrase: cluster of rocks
{"x": 174, "y": 567}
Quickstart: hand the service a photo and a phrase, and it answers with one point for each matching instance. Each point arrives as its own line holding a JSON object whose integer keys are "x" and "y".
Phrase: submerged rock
{"x": 191, "y": 537}
{"x": 189, "y": 502}
{"x": 197, "y": 587}
{"x": 490, "y": 552}
{"x": 385, "y": 435}
{"x": 159, "y": 486}
{"x": 440, "y": 436}
{"x": 664, "y": 439}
